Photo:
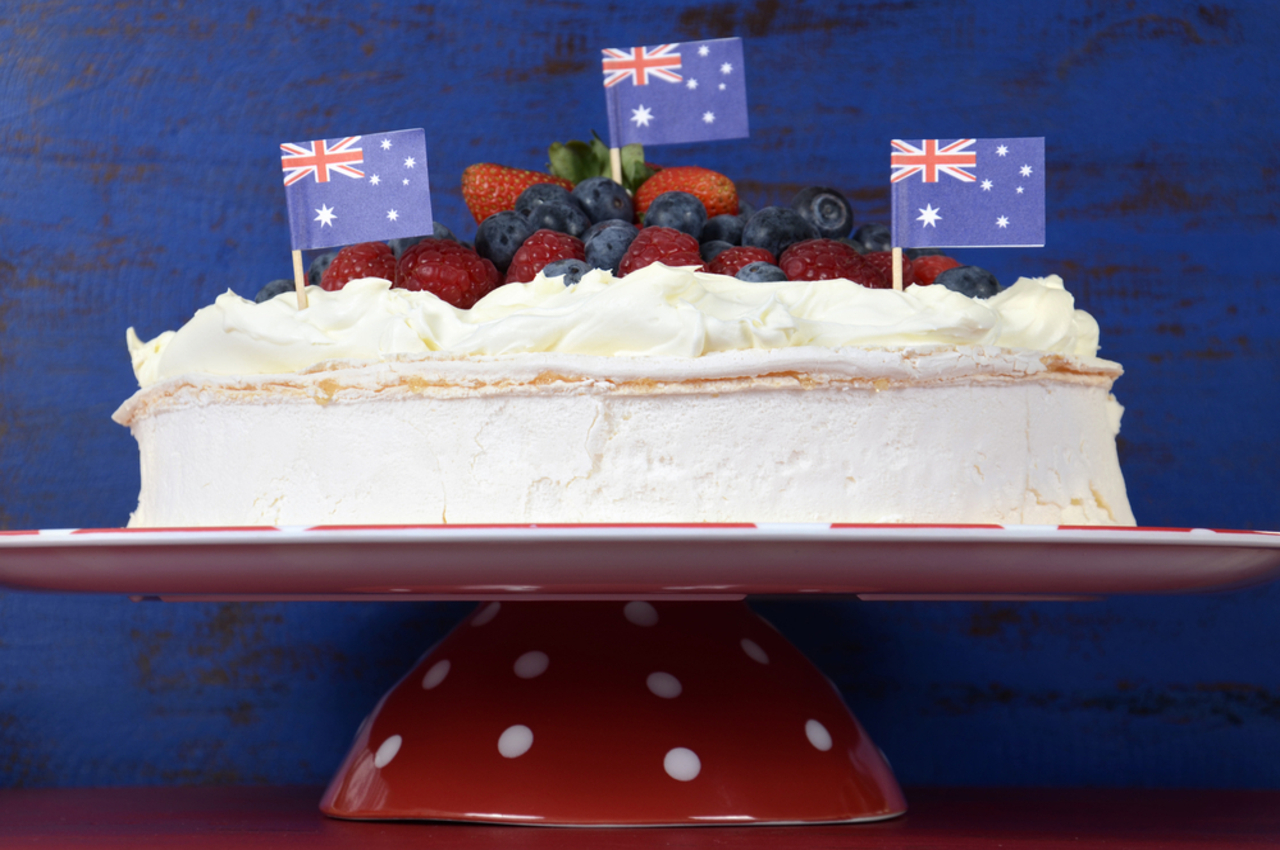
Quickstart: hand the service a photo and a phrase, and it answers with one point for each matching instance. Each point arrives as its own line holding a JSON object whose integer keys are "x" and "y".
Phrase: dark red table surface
{"x": 940, "y": 819}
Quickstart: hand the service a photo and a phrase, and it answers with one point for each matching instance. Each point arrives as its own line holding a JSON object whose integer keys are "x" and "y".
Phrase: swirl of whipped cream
{"x": 656, "y": 311}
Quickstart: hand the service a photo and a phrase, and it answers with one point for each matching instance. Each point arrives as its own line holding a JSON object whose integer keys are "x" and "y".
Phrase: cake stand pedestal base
{"x": 618, "y": 714}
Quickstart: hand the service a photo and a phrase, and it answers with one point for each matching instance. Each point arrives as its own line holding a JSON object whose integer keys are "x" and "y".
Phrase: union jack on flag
{"x": 387, "y": 197}
{"x": 930, "y": 160}
{"x": 316, "y": 159}
{"x": 638, "y": 63}
{"x": 692, "y": 91}
{"x": 995, "y": 199}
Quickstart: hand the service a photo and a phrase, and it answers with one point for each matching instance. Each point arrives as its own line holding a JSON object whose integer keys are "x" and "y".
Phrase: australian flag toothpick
{"x": 968, "y": 193}
{"x": 672, "y": 93}
{"x": 357, "y": 189}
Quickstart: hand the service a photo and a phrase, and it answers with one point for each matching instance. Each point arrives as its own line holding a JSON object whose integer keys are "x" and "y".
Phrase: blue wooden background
{"x": 139, "y": 179}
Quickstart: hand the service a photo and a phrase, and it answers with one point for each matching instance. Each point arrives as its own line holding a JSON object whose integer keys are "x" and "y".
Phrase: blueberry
{"x": 776, "y": 228}
{"x": 711, "y": 250}
{"x": 678, "y": 210}
{"x": 745, "y": 210}
{"x": 562, "y": 218}
{"x": 272, "y": 289}
{"x": 854, "y": 244}
{"x": 969, "y": 280}
{"x": 543, "y": 193}
{"x": 603, "y": 200}
{"x": 573, "y": 269}
{"x": 874, "y": 237}
{"x": 315, "y": 271}
{"x": 501, "y": 235}
{"x": 723, "y": 228}
{"x": 760, "y": 272}
{"x": 912, "y": 253}
{"x": 826, "y": 209}
{"x": 606, "y": 247}
{"x": 604, "y": 225}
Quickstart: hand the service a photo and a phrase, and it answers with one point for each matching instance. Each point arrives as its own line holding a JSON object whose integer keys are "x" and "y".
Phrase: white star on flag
{"x": 726, "y": 68}
{"x": 325, "y": 216}
{"x": 708, "y": 117}
{"x": 641, "y": 116}
{"x": 692, "y": 84}
{"x": 404, "y": 182}
{"x": 986, "y": 185}
{"x": 386, "y": 144}
{"x": 392, "y": 215}
{"x": 375, "y": 180}
{"x": 1002, "y": 150}
{"x": 722, "y": 87}
{"x": 1019, "y": 190}
{"x": 1025, "y": 171}
{"x": 929, "y": 216}
{"x": 408, "y": 162}
{"x": 703, "y": 50}
{"x": 1002, "y": 221}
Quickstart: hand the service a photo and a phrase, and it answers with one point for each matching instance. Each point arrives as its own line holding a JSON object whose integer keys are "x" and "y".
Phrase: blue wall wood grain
{"x": 138, "y": 180}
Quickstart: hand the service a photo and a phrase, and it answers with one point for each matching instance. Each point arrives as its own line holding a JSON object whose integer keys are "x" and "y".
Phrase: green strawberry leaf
{"x": 576, "y": 161}
{"x": 634, "y": 169}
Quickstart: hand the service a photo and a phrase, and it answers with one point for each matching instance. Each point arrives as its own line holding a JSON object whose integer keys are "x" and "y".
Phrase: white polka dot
{"x": 682, "y": 764}
{"x": 664, "y": 685}
{"x": 436, "y": 674}
{"x": 754, "y": 652}
{"x": 641, "y": 613}
{"x": 387, "y": 751}
{"x": 817, "y": 735}
{"x": 515, "y": 741}
{"x": 486, "y": 614}
{"x": 532, "y": 664}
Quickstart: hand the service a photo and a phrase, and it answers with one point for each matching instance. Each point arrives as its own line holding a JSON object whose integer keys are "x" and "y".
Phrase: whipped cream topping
{"x": 656, "y": 311}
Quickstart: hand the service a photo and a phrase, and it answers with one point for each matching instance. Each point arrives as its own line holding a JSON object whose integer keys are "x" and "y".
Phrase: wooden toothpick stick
{"x": 897, "y": 269}
{"x": 299, "y": 280}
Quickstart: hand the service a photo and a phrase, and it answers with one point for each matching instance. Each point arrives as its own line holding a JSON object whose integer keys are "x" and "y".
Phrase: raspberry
{"x": 543, "y": 247}
{"x": 928, "y": 267}
{"x": 368, "y": 259}
{"x": 882, "y": 261}
{"x": 451, "y": 270}
{"x": 827, "y": 259}
{"x": 664, "y": 245}
{"x": 730, "y": 260}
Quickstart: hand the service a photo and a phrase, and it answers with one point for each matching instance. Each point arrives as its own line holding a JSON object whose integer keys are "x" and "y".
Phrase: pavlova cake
{"x": 620, "y": 375}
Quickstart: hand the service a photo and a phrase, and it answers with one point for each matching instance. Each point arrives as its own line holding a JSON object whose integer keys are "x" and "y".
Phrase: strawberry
{"x": 489, "y": 188}
{"x": 882, "y": 261}
{"x": 451, "y": 270}
{"x": 731, "y": 260}
{"x": 827, "y": 259}
{"x": 368, "y": 259}
{"x": 664, "y": 245}
{"x": 543, "y": 247}
{"x": 928, "y": 267}
{"x": 717, "y": 192}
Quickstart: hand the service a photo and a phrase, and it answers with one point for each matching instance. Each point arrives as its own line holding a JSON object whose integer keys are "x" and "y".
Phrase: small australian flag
{"x": 968, "y": 193}
{"x": 357, "y": 189}
{"x": 668, "y": 94}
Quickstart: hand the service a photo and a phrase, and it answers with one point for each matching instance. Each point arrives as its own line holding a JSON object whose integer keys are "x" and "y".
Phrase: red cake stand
{"x": 613, "y": 675}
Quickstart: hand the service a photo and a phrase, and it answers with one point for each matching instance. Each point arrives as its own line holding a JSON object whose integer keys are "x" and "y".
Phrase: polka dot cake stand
{"x": 614, "y": 713}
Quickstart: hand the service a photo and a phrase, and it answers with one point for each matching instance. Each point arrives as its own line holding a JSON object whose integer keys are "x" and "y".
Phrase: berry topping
{"x": 925, "y": 269}
{"x": 315, "y": 271}
{"x": 678, "y": 210}
{"x": 543, "y": 247}
{"x": 969, "y": 280}
{"x": 455, "y": 273}
{"x": 604, "y": 200}
{"x": 874, "y": 237}
{"x": 826, "y": 209}
{"x": 660, "y": 245}
{"x": 827, "y": 259}
{"x": 543, "y": 193}
{"x": 723, "y": 228}
{"x": 775, "y": 228}
{"x": 731, "y": 261}
{"x": 882, "y": 261}
{"x": 368, "y": 259}
{"x": 606, "y": 246}
{"x": 489, "y": 188}
{"x": 272, "y": 289}
{"x": 560, "y": 217}
{"x": 572, "y": 269}
{"x": 501, "y": 235}
{"x": 761, "y": 272}
{"x": 717, "y": 192}
{"x": 711, "y": 250}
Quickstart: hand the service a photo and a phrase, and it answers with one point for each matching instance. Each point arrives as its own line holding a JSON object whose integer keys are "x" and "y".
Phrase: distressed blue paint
{"x": 138, "y": 180}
